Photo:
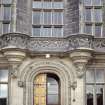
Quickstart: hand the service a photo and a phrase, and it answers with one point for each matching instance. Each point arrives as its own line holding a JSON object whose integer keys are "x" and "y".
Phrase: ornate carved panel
{"x": 25, "y": 42}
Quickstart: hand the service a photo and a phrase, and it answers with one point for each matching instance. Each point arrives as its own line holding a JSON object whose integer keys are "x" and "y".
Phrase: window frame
{"x": 6, "y": 83}
{"x": 95, "y": 85}
{"x": 51, "y": 24}
{"x": 93, "y": 22}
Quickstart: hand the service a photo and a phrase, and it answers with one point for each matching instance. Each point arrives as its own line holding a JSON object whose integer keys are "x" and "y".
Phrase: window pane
{"x": 58, "y": 18}
{"x": 99, "y": 76}
{"x": 97, "y": 2}
{"x": 0, "y": 27}
{"x": 7, "y": 13}
{"x": 3, "y": 90}
{"x": 88, "y": 14}
{"x": 3, "y": 101}
{"x": 36, "y": 31}
{"x": 52, "y": 86}
{"x": 1, "y": 13}
{"x": 6, "y": 28}
{"x": 90, "y": 76}
{"x": 99, "y": 94}
{"x": 87, "y": 2}
{"x": 88, "y": 29}
{"x": 57, "y": 32}
{"x": 98, "y": 15}
{"x": 52, "y": 89}
{"x": 47, "y": 18}
{"x": 37, "y": 4}
{"x": 36, "y": 17}
{"x": 58, "y": 5}
{"x": 6, "y": 1}
{"x": 3, "y": 75}
{"x": 46, "y": 32}
{"x": 98, "y": 29}
{"x": 52, "y": 99}
{"x": 89, "y": 94}
{"x": 47, "y": 4}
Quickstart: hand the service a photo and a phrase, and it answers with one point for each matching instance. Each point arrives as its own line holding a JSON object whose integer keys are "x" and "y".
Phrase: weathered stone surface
{"x": 23, "y": 16}
{"x": 72, "y": 17}
{"x": 34, "y": 44}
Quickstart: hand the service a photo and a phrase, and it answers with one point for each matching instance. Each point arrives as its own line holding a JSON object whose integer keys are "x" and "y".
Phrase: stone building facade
{"x": 72, "y": 58}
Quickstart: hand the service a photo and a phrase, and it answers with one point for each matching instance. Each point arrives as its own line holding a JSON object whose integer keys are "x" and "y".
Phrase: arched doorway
{"x": 46, "y": 89}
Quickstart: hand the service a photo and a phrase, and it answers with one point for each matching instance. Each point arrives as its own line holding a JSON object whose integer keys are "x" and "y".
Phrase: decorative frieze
{"x": 99, "y": 44}
{"x": 34, "y": 44}
{"x": 48, "y": 44}
{"x": 25, "y": 42}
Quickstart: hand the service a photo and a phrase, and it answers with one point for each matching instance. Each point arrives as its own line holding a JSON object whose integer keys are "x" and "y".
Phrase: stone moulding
{"x": 36, "y": 44}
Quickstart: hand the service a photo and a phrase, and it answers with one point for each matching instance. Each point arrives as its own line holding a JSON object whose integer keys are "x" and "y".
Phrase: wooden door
{"x": 40, "y": 90}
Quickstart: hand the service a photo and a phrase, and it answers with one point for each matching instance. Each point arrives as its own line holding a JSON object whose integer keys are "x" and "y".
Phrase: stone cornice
{"x": 51, "y": 45}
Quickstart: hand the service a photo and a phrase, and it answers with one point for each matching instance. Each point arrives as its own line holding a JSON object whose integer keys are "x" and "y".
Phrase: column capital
{"x": 15, "y": 58}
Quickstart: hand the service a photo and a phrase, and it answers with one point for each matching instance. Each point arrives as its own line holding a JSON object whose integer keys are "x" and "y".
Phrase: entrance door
{"x": 46, "y": 89}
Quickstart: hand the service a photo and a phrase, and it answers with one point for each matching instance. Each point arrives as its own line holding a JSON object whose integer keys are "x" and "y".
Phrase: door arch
{"x": 46, "y": 89}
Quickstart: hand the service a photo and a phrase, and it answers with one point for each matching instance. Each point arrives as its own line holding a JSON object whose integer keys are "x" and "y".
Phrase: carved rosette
{"x": 80, "y": 59}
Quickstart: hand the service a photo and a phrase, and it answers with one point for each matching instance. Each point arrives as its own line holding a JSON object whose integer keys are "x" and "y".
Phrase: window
{"x": 58, "y": 5}
{"x": 57, "y": 31}
{"x": 7, "y": 13}
{"x": 5, "y": 16}
{"x": 3, "y": 87}
{"x": 36, "y": 17}
{"x": 88, "y": 14}
{"x": 93, "y": 14}
{"x": 37, "y": 4}
{"x": 92, "y": 2}
{"x": 98, "y": 30}
{"x": 58, "y": 17}
{"x": 97, "y": 2}
{"x": 87, "y": 2}
{"x": 48, "y": 15}
{"x": 98, "y": 15}
{"x": 95, "y": 83}
{"x": 0, "y": 13}
{"x": 88, "y": 29}
{"x": 47, "y": 4}
{"x": 36, "y": 31}
{"x": 6, "y": 27}
{"x": 46, "y": 90}
{"x": 6, "y": 1}
{"x": 46, "y": 32}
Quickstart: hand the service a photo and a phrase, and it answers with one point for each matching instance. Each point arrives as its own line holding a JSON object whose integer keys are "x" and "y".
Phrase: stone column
{"x": 80, "y": 59}
{"x": 15, "y": 58}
